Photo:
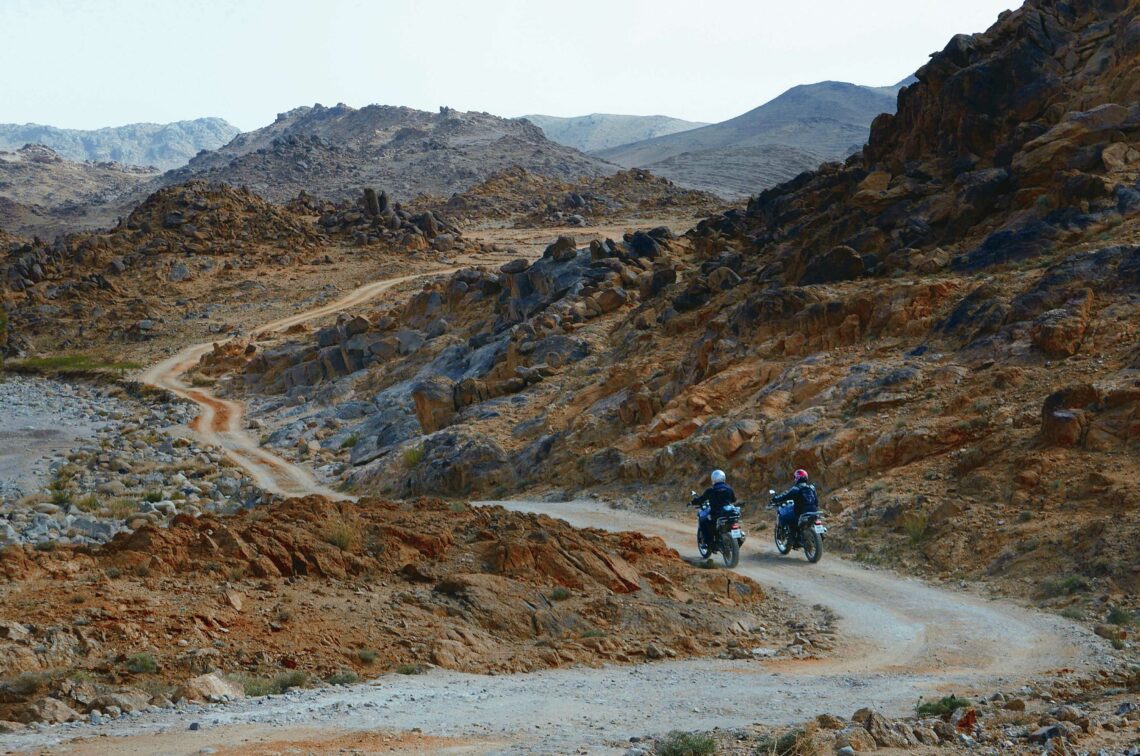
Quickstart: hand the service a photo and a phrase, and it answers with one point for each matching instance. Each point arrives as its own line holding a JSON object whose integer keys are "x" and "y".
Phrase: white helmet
{"x": 717, "y": 476}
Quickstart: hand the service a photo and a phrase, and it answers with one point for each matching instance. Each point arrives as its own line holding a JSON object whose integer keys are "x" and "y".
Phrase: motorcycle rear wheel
{"x": 730, "y": 551}
{"x": 813, "y": 545}
{"x": 783, "y": 540}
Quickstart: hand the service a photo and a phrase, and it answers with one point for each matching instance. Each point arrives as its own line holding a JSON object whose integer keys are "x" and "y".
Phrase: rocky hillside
{"x": 942, "y": 329}
{"x": 306, "y": 591}
{"x": 332, "y": 153}
{"x": 530, "y": 199}
{"x": 192, "y": 250}
{"x": 600, "y": 131}
{"x": 43, "y": 193}
{"x": 797, "y": 131}
{"x": 161, "y": 145}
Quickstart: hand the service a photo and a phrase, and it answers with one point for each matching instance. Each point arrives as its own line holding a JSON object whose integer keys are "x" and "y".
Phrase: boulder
{"x": 47, "y": 709}
{"x": 564, "y": 248}
{"x": 434, "y": 400}
{"x": 840, "y": 263}
{"x": 209, "y": 687}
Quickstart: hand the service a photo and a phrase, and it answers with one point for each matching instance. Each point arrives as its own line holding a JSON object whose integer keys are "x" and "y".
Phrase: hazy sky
{"x": 92, "y": 63}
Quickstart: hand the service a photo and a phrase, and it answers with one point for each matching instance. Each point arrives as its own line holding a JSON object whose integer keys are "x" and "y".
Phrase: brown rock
{"x": 434, "y": 400}
{"x": 857, "y": 739}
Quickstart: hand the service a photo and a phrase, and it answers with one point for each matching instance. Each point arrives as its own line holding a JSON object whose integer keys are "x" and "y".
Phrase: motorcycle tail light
{"x": 736, "y": 526}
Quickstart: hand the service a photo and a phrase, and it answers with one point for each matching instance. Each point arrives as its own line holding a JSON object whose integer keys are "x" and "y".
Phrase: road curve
{"x": 220, "y": 420}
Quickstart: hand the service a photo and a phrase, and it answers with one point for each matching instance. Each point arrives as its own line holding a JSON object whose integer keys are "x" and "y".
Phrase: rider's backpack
{"x": 811, "y": 500}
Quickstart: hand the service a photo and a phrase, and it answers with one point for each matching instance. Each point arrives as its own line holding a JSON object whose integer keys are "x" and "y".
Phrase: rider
{"x": 716, "y": 496}
{"x": 803, "y": 499}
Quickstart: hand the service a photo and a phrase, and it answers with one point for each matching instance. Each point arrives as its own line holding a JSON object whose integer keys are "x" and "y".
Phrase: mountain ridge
{"x": 599, "y": 131}
{"x": 162, "y": 145}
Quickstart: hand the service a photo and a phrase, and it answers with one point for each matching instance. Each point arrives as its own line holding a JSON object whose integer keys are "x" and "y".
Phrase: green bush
{"x": 916, "y": 527}
{"x": 1122, "y": 617}
{"x": 410, "y": 669}
{"x": 350, "y": 441}
{"x": 141, "y": 664}
{"x": 255, "y": 687}
{"x": 560, "y": 594}
{"x": 153, "y": 496}
{"x": 343, "y": 677}
{"x": 366, "y": 655}
{"x": 678, "y": 743}
{"x": 943, "y": 707}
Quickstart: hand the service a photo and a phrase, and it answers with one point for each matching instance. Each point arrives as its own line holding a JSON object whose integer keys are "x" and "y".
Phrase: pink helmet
{"x": 800, "y": 475}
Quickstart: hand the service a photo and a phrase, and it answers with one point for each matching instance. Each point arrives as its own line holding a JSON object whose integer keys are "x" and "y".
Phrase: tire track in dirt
{"x": 220, "y": 420}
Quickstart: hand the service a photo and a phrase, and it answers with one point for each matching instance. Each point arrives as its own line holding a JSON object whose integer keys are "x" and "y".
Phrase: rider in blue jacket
{"x": 716, "y": 496}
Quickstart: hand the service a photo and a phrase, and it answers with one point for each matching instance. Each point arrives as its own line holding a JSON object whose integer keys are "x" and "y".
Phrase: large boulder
{"x": 210, "y": 687}
{"x": 434, "y": 400}
{"x": 459, "y": 461}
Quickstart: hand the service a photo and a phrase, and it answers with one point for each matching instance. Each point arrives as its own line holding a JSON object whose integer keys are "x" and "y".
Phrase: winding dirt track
{"x": 220, "y": 421}
{"x": 901, "y": 638}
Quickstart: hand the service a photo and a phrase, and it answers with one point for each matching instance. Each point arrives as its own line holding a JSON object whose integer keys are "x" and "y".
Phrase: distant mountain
{"x": 734, "y": 158}
{"x": 165, "y": 146}
{"x": 599, "y": 131}
{"x": 334, "y": 152}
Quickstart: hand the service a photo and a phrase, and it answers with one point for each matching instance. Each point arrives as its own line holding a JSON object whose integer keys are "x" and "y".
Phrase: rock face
{"x": 332, "y": 152}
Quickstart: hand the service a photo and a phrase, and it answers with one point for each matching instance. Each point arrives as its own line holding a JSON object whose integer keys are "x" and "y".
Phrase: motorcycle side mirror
{"x": 692, "y": 492}
{"x": 771, "y": 492}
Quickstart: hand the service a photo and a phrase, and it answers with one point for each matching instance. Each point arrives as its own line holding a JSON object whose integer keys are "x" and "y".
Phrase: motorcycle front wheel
{"x": 730, "y": 551}
{"x": 783, "y": 540}
{"x": 813, "y": 545}
{"x": 702, "y": 547}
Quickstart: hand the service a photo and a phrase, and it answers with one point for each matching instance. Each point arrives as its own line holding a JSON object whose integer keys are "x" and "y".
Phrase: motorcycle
{"x": 808, "y": 534}
{"x": 728, "y": 538}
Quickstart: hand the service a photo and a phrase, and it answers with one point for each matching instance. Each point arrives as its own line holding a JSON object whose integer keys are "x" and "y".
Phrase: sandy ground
{"x": 40, "y": 421}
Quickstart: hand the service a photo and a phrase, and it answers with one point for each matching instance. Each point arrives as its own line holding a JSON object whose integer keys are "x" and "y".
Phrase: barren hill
{"x": 741, "y": 156}
{"x": 162, "y": 145}
{"x": 600, "y": 131}
{"x": 334, "y": 152}
{"x": 41, "y": 192}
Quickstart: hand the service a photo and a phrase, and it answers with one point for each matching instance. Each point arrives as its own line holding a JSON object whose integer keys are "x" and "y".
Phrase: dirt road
{"x": 220, "y": 421}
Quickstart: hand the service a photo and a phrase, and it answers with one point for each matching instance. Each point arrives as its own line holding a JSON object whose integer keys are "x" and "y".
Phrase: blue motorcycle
{"x": 728, "y": 535}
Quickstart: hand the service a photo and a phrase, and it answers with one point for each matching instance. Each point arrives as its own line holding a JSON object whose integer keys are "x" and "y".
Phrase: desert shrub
{"x": 340, "y": 534}
{"x": 594, "y": 633}
{"x": 153, "y": 496}
{"x": 412, "y": 456}
{"x": 89, "y": 503}
{"x": 350, "y": 441}
{"x": 343, "y": 677}
{"x": 916, "y": 526}
{"x": 678, "y": 743}
{"x": 410, "y": 669}
{"x": 366, "y": 655}
{"x": 1054, "y": 587}
{"x": 1122, "y": 617}
{"x": 943, "y": 707}
{"x": 793, "y": 743}
{"x": 141, "y": 663}
{"x": 256, "y": 687}
{"x": 560, "y": 594}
